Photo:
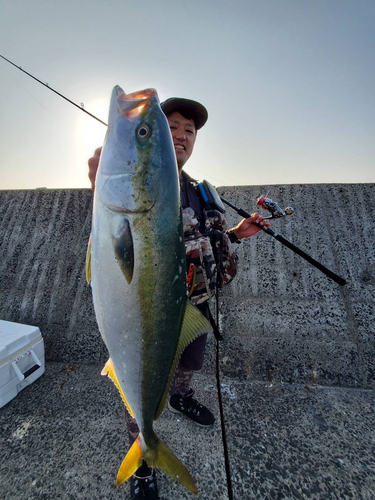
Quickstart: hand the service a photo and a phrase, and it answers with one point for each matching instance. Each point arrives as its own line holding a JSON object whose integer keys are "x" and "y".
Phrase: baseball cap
{"x": 194, "y": 109}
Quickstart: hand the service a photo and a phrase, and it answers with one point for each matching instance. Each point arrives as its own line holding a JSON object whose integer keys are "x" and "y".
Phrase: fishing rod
{"x": 210, "y": 191}
{"x": 81, "y": 107}
{"x": 277, "y": 212}
{"x": 213, "y": 199}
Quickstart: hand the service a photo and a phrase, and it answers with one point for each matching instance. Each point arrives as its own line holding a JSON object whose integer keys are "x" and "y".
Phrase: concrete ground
{"x": 64, "y": 437}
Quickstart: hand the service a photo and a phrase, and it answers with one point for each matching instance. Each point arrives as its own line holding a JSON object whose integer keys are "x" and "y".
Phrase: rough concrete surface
{"x": 297, "y": 360}
{"x": 64, "y": 437}
{"x": 44, "y": 235}
{"x": 282, "y": 315}
{"x": 286, "y": 316}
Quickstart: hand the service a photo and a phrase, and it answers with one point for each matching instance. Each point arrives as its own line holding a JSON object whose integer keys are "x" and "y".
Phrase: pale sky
{"x": 289, "y": 85}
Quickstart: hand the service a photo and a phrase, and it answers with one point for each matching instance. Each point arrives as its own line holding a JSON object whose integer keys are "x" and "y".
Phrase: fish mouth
{"x": 132, "y": 105}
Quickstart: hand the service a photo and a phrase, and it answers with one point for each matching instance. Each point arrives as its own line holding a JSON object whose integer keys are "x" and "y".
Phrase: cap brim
{"x": 193, "y": 109}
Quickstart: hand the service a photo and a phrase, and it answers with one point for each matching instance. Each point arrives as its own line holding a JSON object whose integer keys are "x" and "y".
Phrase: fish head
{"x": 137, "y": 153}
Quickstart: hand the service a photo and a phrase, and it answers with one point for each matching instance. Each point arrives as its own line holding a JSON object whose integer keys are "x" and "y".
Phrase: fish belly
{"x": 139, "y": 321}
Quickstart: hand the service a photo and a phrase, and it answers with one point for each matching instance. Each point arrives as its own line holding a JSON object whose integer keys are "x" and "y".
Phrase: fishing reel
{"x": 212, "y": 199}
{"x": 210, "y": 196}
{"x": 272, "y": 207}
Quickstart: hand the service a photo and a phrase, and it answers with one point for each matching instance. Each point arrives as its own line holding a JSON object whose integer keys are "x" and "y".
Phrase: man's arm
{"x": 93, "y": 166}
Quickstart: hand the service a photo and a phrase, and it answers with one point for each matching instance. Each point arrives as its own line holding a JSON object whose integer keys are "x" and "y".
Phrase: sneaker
{"x": 191, "y": 408}
{"x": 143, "y": 484}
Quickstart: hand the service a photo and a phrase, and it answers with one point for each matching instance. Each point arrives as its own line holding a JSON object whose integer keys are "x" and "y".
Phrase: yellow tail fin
{"x": 170, "y": 464}
{"x": 131, "y": 462}
{"x": 158, "y": 457}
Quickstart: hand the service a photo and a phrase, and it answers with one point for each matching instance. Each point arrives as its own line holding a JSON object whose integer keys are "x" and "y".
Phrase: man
{"x": 209, "y": 258}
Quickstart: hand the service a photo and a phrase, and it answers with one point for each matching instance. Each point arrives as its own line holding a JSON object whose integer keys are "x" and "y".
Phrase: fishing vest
{"x": 210, "y": 261}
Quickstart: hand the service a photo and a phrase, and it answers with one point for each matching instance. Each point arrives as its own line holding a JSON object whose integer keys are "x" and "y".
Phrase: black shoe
{"x": 191, "y": 408}
{"x": 143, "y": 484}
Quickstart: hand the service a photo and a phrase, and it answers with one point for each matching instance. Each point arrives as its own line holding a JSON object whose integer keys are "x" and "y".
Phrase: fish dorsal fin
{"x": 88, "y": 262}
{"x": 109, "y": 370}
{"x": 194, "y": 325}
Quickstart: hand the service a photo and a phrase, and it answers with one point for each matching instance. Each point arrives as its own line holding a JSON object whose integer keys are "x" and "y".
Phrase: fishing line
{"x": 25, "y": 89}
{"x": 241, "y": 212}
{"x": 221, "y": 406}
{"x": 53, "y": 90}
{"x": 81, "y": 107}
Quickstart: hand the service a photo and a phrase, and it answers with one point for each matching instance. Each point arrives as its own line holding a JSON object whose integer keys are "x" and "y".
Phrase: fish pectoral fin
{"x": 109, "y": 370}
{"x": 194, "y": 324}
{"x": 88, "y": 262}
{"x": 169, "y": 463}
{"x": 124, "y": 250}
{"x": 131, "y": 462}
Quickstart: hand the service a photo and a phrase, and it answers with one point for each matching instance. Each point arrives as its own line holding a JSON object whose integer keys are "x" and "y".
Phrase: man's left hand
{"x": 248, "y": 227}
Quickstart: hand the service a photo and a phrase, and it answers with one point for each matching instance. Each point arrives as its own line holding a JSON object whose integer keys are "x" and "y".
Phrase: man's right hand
{"x": 93, "y": 166}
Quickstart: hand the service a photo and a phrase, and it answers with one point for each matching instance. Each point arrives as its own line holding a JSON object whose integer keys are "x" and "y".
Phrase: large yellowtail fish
{"x": 137, "y": 270}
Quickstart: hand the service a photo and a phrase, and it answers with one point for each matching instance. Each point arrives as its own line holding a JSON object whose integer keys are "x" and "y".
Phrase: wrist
{"x": 233, "y": 238}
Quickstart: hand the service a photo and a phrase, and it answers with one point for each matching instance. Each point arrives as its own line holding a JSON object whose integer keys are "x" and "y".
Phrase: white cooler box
{"x": 21, "y": 358}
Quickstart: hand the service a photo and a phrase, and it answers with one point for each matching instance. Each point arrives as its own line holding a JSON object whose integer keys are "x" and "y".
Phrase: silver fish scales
{"x": 136, "y": 264}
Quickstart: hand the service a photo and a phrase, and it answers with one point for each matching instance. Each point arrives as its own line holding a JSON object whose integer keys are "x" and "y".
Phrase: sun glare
{"x": 90, "y": 133}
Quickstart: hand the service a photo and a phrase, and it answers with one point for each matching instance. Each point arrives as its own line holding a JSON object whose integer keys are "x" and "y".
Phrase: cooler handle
{"x": 31, "y": 370}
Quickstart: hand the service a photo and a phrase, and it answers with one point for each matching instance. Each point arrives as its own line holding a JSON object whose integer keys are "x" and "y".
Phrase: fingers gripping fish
{"x": 137, "y": 267}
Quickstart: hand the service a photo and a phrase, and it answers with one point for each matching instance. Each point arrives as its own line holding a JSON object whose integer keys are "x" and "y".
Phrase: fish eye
{"x": 143, "y": 132}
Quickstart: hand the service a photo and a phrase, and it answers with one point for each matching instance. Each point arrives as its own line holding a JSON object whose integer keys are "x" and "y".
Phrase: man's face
{"x": 183, "y": 135}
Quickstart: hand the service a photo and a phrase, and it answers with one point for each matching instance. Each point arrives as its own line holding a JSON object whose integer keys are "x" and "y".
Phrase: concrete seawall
{"x": 281, "y": 318}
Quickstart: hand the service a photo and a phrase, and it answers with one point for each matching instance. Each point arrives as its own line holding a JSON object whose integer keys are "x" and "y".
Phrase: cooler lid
{"x": 15, "y": 336}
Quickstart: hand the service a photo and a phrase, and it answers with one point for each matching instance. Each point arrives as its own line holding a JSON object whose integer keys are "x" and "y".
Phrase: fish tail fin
{"x": 131, "y": 462}
{"x": 169, "y": 463}
{"x": 157, "y": 456}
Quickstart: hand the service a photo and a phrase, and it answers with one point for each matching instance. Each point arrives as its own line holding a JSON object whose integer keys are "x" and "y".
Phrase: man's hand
{"x": 248, "y": 227}
{"x": 93, "y": 166}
